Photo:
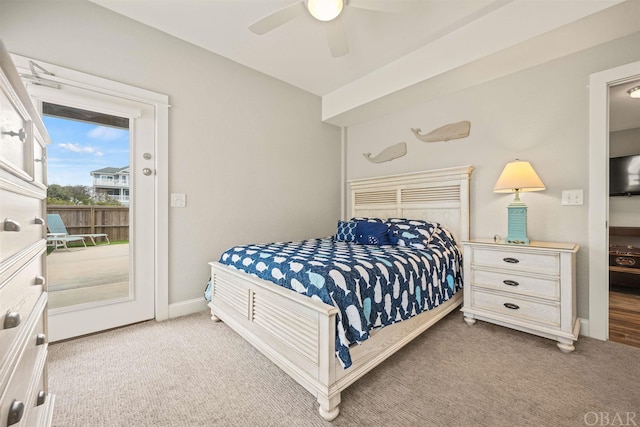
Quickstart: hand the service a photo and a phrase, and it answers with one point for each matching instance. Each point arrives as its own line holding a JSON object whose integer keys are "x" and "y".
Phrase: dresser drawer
{"x": 515, "y": 307}
{"x": 42, "y": 414}
{"x": 15, "y": 138}
{"x": 21, "y": 278}
{"x": 19, "y": 295}
{"x": 516, "y": 283}
{"x": 517, "y": 260}
{"x": 27, "y": 377}
{"x": 22, "y": 210}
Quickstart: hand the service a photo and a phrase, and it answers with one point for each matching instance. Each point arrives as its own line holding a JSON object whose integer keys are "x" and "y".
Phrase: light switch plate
{"x": 572, "y": 197}
{"x": 178, "y": 200}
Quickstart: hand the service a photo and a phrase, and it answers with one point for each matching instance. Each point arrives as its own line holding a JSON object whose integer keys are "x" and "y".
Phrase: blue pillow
{"x": 414, "y": 233}
{"x": 374, "y": 233}
{"x": 346, "y": 231}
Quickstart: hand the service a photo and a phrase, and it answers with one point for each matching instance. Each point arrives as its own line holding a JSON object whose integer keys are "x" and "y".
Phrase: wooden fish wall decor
{"x": 389, "y": 153}
{"x": 445, "y": 133}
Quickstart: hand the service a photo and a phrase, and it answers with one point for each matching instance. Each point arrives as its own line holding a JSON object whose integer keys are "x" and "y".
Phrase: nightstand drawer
{"x": 517, "y": 260}
{"x": 516, "y": 308}
{"x": 516, "y": 284}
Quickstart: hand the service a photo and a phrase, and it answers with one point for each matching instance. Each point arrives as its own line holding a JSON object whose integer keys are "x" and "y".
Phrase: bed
{"x": 300, "y": 334}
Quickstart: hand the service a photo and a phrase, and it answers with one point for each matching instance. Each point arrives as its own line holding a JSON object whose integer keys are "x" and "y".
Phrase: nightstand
{"x": 529, "y": 288}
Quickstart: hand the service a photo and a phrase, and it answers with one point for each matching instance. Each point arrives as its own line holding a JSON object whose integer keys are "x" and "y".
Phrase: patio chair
{"x": 57, "y": 229}
{"x": 61, "y": 239}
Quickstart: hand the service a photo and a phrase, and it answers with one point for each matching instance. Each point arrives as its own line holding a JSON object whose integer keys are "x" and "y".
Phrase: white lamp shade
{"x": 325, "y": 10}
{"x": 518, "y": 175}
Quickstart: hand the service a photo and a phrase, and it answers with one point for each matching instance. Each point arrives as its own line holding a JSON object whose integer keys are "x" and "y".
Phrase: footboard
{"x": 296, "y": 332}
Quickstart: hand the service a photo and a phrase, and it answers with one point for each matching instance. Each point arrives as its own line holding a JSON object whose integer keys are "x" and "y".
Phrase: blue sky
{"x": 78, "y": 148}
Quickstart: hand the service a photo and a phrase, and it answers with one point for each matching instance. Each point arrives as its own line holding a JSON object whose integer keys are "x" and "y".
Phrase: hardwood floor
{"x": 624, "y": 318}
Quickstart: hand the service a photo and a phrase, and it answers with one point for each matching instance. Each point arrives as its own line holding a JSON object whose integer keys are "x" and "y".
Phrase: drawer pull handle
{"x": 11, "y": 319}
{"x": 511, "y": 306}
{"x": 21, "y": 134}
{"x": 511, "y": 260}
{"x": 41, "y": 339}
{"x": 42, "y": 397}
{"x": 40, "y": 280}
{"x": 511, "y": 283}
{"x": 39, "y": 221}
{"x": 11, "y": 225}
{"x": 16, "y": 410}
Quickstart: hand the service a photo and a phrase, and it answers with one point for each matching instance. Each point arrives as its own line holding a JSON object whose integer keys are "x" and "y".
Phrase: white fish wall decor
{"x": 389, "y": 153}
{"x": 445, "y": 133}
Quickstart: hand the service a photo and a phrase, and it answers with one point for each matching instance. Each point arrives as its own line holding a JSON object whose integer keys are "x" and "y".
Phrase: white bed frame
{"x": 298, "y": 333}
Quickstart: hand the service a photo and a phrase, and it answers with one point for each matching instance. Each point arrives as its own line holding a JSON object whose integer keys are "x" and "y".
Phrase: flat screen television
{"x": 624, "y": 175}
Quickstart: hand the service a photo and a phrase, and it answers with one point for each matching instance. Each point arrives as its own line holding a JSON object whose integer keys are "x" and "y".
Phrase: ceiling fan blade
{"x": 392, "y": 6}
{"x": 337, "y": 38}
{"x": 277, "y": 18}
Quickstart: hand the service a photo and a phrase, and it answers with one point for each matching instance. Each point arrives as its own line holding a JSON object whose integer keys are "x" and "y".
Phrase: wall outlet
{"x": 572, "y": 197}
{"x": 178, "y": 200}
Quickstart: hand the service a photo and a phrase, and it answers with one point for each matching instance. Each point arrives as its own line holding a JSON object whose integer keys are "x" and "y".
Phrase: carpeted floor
{"x": 190, "y": 371}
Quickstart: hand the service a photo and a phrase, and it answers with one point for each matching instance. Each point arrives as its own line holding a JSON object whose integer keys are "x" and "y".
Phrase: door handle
{"x": 147, "y": 171}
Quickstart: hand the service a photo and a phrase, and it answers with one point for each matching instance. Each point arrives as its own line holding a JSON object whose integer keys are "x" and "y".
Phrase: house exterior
{"x": 112, "y": 182}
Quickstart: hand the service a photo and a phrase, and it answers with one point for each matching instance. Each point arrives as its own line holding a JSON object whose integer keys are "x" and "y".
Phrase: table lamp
{"x": 516, "y": 177}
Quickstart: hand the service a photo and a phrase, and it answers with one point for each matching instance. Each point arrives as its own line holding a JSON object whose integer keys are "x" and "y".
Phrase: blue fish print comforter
{"x": 372, "y": 286}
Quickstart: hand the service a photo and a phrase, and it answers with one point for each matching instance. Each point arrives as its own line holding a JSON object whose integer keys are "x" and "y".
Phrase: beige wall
{"x": 250, "y": 152}
{"x": 540, "y": 114}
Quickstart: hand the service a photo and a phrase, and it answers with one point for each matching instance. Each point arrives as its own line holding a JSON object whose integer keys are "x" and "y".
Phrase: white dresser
{"x": 529, "y": 288}
{"x": 24, "y": 398}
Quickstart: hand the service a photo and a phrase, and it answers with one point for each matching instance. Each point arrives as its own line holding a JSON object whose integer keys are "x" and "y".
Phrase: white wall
{"x": 250, "y": 152}
{"x": 623, "y": 211}
{"x": 539, "y": 114}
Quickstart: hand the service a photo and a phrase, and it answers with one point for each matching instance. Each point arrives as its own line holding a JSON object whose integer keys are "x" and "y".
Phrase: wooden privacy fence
{"x": 112, "y": 220}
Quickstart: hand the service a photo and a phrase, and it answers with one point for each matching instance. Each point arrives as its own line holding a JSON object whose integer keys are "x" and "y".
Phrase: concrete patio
{"x": 82, "y": 275}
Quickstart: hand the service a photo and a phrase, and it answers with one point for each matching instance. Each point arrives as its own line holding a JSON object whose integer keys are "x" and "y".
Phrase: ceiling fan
{"x": 328, "y": 12}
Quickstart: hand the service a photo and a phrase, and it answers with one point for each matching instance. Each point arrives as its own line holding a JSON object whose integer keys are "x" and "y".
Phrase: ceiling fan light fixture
{"x": 325, "y": 10}
{"x": 634, "y": 92}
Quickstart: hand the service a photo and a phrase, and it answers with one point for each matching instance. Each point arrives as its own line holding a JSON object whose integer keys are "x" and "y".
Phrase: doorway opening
{"x": 624, "y": 222}
{"x": 148, "y": 118}
{"x": 599, "y": 97}
{"x": 87, "y": 206}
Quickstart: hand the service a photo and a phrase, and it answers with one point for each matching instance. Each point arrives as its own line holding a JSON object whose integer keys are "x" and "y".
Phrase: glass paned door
{"x": 100, "y": 211}
{"x": 86, "y": 148}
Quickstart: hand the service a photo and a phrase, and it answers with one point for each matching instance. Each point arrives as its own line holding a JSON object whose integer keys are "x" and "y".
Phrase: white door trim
{"x": 599, "y": 84}
{"x": 160, "y": 103}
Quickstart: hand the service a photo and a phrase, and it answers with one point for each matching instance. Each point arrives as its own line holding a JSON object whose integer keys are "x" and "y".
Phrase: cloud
{"x": 107, "y": 133}
{"x": 77, "y": 148}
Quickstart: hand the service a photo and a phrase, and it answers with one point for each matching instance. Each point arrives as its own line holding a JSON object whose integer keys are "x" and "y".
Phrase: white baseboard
{"x": 191, "y": 306}
{"x": 584, "y": 327}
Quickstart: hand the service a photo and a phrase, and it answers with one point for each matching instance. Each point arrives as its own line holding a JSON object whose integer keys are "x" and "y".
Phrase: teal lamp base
{"x": 517, "y": 228}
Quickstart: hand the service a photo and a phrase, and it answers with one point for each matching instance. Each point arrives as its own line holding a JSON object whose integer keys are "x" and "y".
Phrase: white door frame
{"x": 160, "y": 103}
{"x": 599, "y": 85}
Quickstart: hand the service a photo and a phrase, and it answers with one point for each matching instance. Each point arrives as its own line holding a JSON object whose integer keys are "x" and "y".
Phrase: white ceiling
{"x": 624, "y": 111}
{"x": 446, "y": 34}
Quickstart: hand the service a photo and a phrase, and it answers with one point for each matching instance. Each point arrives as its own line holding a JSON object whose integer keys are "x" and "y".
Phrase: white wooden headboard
{"x": 439, "y": 195}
